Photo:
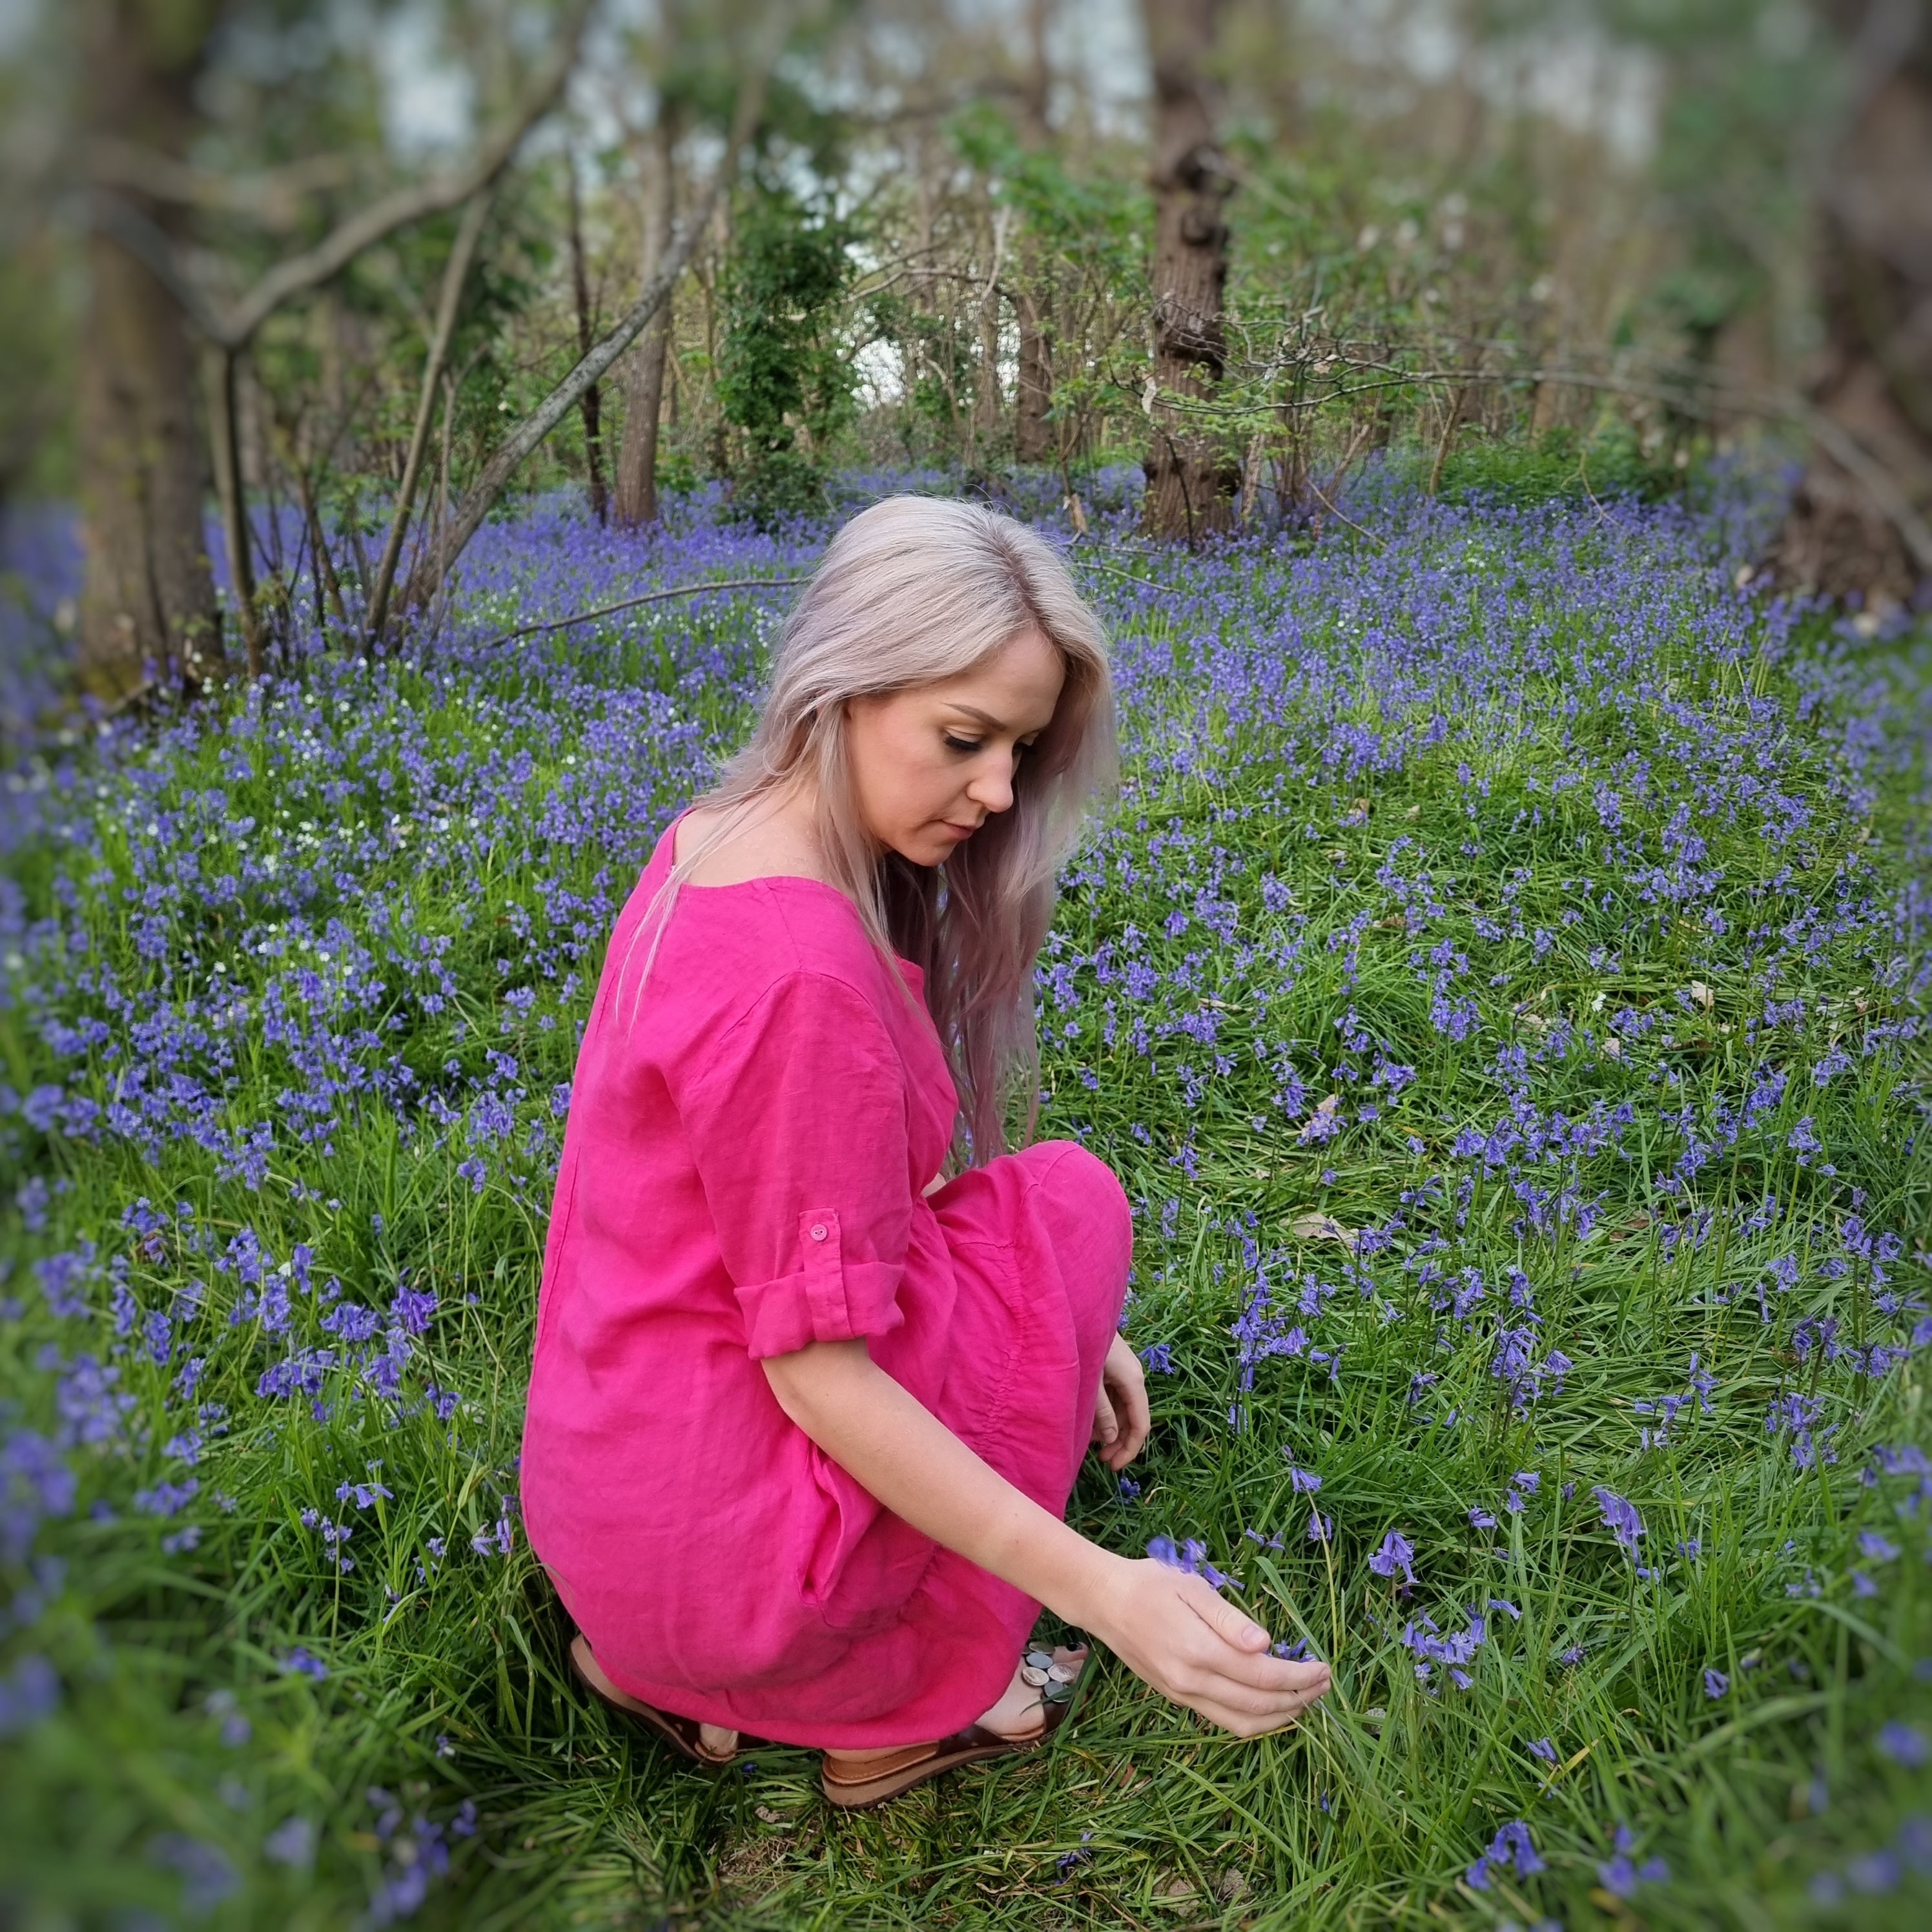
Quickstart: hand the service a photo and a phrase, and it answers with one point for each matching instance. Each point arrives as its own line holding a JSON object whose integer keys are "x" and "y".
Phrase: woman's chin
{"x": 927, "y": 848}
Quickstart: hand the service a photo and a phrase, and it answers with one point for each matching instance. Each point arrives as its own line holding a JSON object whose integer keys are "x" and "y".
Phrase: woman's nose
{"x": 992, "y": 789}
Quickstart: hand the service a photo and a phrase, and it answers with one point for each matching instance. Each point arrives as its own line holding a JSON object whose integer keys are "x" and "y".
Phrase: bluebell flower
{"x": 1510, "y": 1849}
{"x": 1622, "y": 1875}
{"x": 1396, "y": 1556}
{"x": 1620, "y": 1518}
{"x": 1904, "y": 1745}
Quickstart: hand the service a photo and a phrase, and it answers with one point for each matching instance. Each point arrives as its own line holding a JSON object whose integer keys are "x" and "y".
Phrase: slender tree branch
{"x": 455, "y": 273}
{"x": 273, "y": 196}
{"x": 225, "y": 441}
{"x": 362, "y": 231}
{"x": 233, "y": 326}
{"x": 436, "y": 562}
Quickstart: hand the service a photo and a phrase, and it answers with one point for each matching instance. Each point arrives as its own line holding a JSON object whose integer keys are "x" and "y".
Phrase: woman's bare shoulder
{"x": 769, "y": 848}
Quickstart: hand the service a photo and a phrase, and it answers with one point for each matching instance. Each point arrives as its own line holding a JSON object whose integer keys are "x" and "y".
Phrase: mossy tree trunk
{"x": 1190, "y": 484}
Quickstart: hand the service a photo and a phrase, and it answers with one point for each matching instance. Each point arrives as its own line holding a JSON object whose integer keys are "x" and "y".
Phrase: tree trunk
{"x": 222, "y": 366}
{"x": 1190, "y": 486}
{"x": 643, "y": 393}
{"x": 591, "y": 402}
{"x": 1859, "y": 520}
{"x": 147, "y": 603}
{"x": 1033, "y": 439}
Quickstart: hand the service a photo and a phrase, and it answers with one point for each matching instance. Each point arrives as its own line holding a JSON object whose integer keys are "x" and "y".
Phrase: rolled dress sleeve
{"x": 798, "y": 1128}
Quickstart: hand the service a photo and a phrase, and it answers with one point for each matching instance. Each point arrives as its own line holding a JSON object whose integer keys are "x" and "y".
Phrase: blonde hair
{"x": 913, "y": 590}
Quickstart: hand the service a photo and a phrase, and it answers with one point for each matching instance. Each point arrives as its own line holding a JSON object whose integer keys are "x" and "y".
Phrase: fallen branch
{"x": 632, "y": 604}
{"x": 729, "y": 583}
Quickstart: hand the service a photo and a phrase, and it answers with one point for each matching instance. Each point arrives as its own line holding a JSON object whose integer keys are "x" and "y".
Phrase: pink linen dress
{"x": 741, "y": 1175}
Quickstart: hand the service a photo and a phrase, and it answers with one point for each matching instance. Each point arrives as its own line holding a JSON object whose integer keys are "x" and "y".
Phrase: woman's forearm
{"x": 891, "y": 1444}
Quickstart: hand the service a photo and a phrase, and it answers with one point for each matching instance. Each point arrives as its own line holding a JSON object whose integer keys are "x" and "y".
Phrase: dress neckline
{"x": 774, "y": 879}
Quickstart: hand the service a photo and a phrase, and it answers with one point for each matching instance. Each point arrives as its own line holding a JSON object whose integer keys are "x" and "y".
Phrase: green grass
{"x": 1560, "y": 657}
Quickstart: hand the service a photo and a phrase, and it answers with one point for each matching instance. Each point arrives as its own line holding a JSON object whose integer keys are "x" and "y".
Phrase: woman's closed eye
{"x": 960, "y": 745}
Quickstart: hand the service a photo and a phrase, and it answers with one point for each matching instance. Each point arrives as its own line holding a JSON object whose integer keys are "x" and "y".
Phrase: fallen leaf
{"x": 1701, "y": 995}
{"x": 1323, "y": 1228}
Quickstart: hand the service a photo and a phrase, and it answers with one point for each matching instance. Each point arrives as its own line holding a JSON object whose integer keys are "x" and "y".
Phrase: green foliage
{"x": 1560, "y": 464}
{"x": 784, "y": 366}
{"x": 1749, "y": 89}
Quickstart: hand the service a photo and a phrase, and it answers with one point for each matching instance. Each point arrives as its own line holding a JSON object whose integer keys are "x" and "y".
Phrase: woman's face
{"x": 931, "y": 764}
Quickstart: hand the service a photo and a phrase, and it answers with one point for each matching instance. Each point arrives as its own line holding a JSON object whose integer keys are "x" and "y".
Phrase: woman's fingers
{"x": 1125, "y": 1382}
{"x": 1106, "y": 1429}
{"x": 1130, "y": 1411}
{"x": 1228, "y": 1621}
{"x": 1207, "y": 1653}
{"x": 1257, "y": 1700}
{"x": 1244, "y": 1726}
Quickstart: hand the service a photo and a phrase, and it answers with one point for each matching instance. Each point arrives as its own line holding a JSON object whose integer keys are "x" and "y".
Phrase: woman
{"x": 806, "y": 1411}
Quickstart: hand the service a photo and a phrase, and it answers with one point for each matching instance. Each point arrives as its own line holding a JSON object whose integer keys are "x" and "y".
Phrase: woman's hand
{"x": 1121, "y": 1406}
{"x": 1168, "y": 1627}
{"x": 1172, "y": 1631}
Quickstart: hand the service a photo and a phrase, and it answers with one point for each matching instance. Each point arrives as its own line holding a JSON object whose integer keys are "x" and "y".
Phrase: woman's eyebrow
{"x": 987, "y": 718}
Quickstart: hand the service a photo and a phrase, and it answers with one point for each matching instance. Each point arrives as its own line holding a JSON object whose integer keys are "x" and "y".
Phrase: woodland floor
{"x": 1502, "y": 988}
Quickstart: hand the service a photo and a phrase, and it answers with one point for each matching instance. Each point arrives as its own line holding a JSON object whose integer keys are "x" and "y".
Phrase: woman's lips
{"x": 959, "y": 831}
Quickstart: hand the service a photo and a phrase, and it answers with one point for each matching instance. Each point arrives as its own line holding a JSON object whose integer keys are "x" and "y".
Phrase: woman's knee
{"x": 1082, "y": 1187}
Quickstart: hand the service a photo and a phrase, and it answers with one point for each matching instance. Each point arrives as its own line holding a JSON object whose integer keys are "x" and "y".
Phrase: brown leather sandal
{"x": 857, "y": 1784}
{"x": 682, "y": 1734}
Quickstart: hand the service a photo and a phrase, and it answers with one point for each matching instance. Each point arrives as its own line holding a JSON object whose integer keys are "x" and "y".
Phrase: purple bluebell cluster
{"x": 1874, "y": 1874}
{"x": 1621, "y": 1874}
{"x": 1501, "y": 988}
{"x": 1510, "y": 1850}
